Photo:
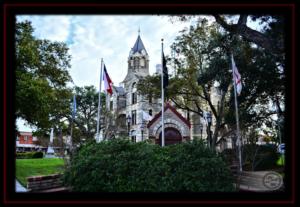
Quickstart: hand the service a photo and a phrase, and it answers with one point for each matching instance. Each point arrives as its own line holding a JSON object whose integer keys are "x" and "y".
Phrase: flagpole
{"x": 99, "y": 102}
{"x": 162, "y": 96}
{"x": 71, "y": 137}
{"x": 239, "y": 142}
{"x": 72, "y": 123}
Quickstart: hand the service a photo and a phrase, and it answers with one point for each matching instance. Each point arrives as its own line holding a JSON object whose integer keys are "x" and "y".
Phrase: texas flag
{"x": 236, "y": 77}
{"x": 107, "y": 82}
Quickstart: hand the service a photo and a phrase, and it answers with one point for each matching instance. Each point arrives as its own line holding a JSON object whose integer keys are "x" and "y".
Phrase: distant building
{"x": 25, "y": 142}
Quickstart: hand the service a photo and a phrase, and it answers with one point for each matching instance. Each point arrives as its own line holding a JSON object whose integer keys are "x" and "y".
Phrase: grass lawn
{"x": 31, "y": 167}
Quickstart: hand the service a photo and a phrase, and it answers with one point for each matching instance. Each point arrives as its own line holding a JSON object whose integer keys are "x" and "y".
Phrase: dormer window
{"x": 143, "y": 52}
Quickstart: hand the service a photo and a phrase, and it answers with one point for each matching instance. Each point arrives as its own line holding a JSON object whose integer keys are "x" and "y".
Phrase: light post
{"x": 142, "y": 130}
{"x": 128, "y": 122}
{"x": 209, "y": 119}
{"x": 201, "y": 129}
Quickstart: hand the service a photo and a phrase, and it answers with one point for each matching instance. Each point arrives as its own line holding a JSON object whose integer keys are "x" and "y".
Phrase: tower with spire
{"x": 138, "y": 59}
{"x": 135, "y": 115}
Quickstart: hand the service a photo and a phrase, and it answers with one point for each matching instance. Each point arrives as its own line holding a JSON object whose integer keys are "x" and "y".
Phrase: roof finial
{"x": 139, "y": 31}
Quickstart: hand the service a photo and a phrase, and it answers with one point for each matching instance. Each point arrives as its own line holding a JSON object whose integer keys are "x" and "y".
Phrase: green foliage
{"x": 86, "y": 116}
{"x": 38, "y": 155}
{"x": 29, "y": 155}
{"x": 229, "y": 155}
{"x": 42, "y": 95}
{"x": 260, "y": 157}
{"x": 150, "y": 86}
{"x": 123, "y": 166}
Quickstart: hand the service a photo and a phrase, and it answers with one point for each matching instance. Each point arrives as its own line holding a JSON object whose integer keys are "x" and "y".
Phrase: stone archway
{"x": 172, "y": 136}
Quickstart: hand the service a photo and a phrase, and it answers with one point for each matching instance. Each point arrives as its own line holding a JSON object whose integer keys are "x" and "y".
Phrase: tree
{"x": 204, "y": 71}
{"x": 85, "y": 122}
{"x": 272, "y": 38}
{"x": 42, "y": 95}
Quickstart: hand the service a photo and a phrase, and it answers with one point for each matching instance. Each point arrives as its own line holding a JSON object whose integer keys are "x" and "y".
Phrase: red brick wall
{"x": 22, "y": 139}
{"x": 37, "y": 183}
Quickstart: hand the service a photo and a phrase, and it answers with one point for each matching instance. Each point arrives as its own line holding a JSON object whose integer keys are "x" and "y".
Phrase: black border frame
{"x": 10, "y": 197}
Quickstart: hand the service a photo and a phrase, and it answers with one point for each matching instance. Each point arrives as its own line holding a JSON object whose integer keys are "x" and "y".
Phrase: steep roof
{"x": 138, "y": 46}
{"x": 120, "y": 90}
{"x": 168, "y": 106}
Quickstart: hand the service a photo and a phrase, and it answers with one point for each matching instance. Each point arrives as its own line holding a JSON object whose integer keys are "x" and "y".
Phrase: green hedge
{"x": 254, "y": 157}
{"x": 29, "y": 155}
{"x": 123, "y": 166}
{"x": 260, "y": 157}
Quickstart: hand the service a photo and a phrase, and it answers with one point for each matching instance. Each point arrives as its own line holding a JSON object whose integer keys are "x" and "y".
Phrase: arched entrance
{"x": 172, "y": 136}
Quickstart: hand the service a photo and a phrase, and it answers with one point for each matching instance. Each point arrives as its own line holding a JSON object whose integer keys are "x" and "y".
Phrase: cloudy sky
{"x": 92, "y": 37}
{"x": 110, "y": 37}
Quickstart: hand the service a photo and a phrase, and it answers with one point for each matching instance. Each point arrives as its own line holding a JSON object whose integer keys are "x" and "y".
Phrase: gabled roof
{"x": 120, "y": 90}
{"x": 168, "y": 106}
{"x": 138, "y": 46}
{"x": 131, "y": 76}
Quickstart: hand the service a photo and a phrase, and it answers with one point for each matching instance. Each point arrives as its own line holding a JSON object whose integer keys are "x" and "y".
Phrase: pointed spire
{"x": 138, "y": 45}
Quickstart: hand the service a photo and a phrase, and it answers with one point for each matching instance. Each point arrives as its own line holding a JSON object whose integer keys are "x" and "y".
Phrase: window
{"x": 136, "y": 63}
{"x": 131, "y": 62}
{"x": 142, "y": 62}
{"x": 150, "y": 112}
{"x": 133, "y": 117}
{"x": 134, "y": 94}
{"x": 134, "y": 99}
{"x": 18, "y": 138}
{"x": 111, "y": 104}
{"x": 150, "y": 99}
{"x": 25, "y": 138}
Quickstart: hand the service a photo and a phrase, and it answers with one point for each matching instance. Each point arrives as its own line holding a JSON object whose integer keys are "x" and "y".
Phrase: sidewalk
{"x": 19, "y": 187}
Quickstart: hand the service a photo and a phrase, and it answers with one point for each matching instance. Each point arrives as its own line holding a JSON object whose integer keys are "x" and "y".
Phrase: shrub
{"x": 229, "y": 155}
{"x": 29, "y": 155}
{"x": 123, "y": 166}
{"x": 260, "y": 157}
{"x": 38, "y": 155}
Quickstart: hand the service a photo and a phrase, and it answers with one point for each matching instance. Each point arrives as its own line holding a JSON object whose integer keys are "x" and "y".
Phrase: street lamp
{"x": 209, "y": 119}
{"x": 142, "y": 129}
{"x": 128, "y": 122}
{"x": 201, "y": 128}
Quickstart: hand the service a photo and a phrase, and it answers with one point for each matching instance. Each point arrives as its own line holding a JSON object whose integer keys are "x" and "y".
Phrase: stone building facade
{"x": 127, "y": 107}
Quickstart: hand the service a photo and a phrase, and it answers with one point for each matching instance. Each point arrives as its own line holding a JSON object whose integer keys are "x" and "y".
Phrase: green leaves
{"x": 42, "y": 74}
{"x": 123, "y": 166}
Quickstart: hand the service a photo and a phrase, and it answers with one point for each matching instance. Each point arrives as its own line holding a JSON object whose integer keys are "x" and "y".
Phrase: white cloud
{"x": 52, "y": 27}
{"x": 23, "y": 126}
{"x": 92, "y": 37}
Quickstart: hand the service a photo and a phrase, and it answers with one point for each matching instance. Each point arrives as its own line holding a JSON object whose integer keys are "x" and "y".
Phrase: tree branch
{"x": 276, "y": 48}
{"x": 185, "y": 107}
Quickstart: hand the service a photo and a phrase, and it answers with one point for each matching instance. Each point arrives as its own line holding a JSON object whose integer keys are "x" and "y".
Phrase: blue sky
{"x": 92, "y": 37}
